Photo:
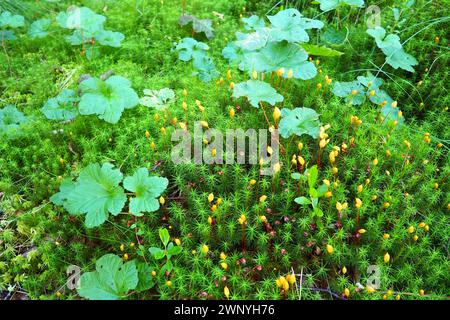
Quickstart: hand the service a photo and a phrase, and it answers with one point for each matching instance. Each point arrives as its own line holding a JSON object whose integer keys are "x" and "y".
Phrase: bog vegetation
{"x": 358, "y": 206}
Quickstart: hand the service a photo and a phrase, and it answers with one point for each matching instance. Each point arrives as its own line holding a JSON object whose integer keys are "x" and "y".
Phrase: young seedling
{"x": 166, "y": 253}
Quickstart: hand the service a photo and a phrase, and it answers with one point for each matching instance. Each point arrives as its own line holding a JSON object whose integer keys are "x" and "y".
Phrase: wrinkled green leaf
{"x": 109, "y": 38}
{"x": 291, "y": 26}
{"x": 257, "y": 91}
{"x": 96, "y": 193}
{"x": 158, "y": 99}
{"x": 147, "y": 189}
{"x": 81, "y": 19}
{"x": 285, "y": 55}
{"x": 112, "y": 279}
{"x": 40, "y": 28}
{"x": 198, "y": 25}
{"x": 63, "y": 107}
{"x": 253, "y": 23}
{"x": 9, "y": 20}
{"x": 10, "y": 121}
{"x": 390, "y": 44}
{"x": 299, "y": 121}
{"x": 107, "y": 99}
{"x": 146, "y": 280}
{"x": 189, "y": 48}
{"x": 327, "y": 5}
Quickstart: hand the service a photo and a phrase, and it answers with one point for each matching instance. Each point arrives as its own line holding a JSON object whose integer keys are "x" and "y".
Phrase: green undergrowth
{"x": 400, "y": 177}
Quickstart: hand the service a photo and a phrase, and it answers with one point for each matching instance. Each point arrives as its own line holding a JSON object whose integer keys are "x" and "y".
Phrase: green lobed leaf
{"x": 253, "y": 23}
{"x": 63, "y": 107}
{"x": 198, "y": 25}
{"x": 112, "y": 279}
{"x": 158, "y": 99}
{"x": 257, "y": 91}
{"x": 299, "y": 121}
{"x": 10, "y": 121}
{"x": 96, "y": 193}
{"x": 40, "y": 28}
{"x": 147, "y": 189}
{"x": 9, "y": 20}
{"x": 107, "y": 99}
{"x": 290, "y": 25}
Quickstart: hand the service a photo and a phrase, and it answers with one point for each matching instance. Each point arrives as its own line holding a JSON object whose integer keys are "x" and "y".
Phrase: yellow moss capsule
{"x": 231, "y": 85}
{"x": 223, "y": 256}
{"x": 370, "y": 289}
{"x": 358, "y": 203}
{"x": 226, "y": 292}
{"x": 254, "y": 75}
{"x": 386, "y": 236}
{"x": 232, "y": 113}
{"x": 183, "y": 126}
{"x": 276, "y": 114}
{"x": 204, "y": 124}
{"x": 301, "y": 160}
{"x": 375, "y": 161}
{"x": 224, "y": 265}
{"x": 290, "y": 278}
{"x": 229, "y": 74}
{"x": 162, "y": 201}
{"x": 210, "y": 197}
{"x": 177, "y": 241}
{"x": 410, "y": 229}
{"x": 169, "y": 283}
{"x": 346, "y": 292}
{"x": 153, "y": 273}
{"x": 344, "y": 270}
{"x": 210, "y": 220}
{"x": 125, "y": 256}
{"x": 362, "y": 231}
{"x": 330, "y": 248}
{"x": 280, "y": 72}
{"x": 360, "y": 188}
{"x": 122, "y": 247}
{"x": 387, "y": 257}
{"x": 262, "y": 218}
{"x": 262, "y": 198}
{"x": 185, "y": 106}
{"x": 290, "y": 74}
